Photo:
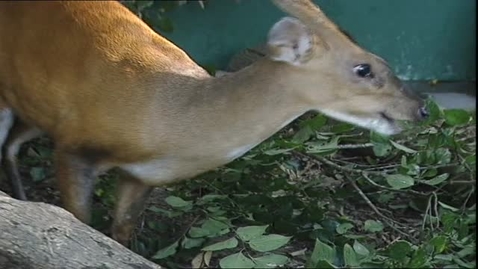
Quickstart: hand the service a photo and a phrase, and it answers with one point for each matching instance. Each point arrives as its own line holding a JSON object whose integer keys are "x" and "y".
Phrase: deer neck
{"x": 239, "y": 110}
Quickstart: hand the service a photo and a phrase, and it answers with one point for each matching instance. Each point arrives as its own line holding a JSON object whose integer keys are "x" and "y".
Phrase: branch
{"x": 38, "y": 235}
{"x": 390, "y": 222}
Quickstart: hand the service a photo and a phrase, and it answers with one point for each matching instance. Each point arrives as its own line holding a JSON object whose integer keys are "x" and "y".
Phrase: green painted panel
{"x": 421, "y": 39}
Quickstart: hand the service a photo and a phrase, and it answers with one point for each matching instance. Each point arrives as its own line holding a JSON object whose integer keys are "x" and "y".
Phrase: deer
{"x": 112, "y": 93}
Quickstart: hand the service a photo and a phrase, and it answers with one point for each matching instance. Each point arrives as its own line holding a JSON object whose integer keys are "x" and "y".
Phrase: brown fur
{"x": 112, "y": 93}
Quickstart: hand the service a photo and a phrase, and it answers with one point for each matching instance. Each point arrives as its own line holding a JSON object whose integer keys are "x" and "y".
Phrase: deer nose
{"x": 423, "y": 113}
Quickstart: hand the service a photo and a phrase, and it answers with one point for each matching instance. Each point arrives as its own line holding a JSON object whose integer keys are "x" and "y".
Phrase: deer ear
{"x": 289, "y": 41}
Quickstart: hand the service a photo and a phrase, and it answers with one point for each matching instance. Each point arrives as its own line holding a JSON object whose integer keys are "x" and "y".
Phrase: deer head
{"x": 350, "y": 83}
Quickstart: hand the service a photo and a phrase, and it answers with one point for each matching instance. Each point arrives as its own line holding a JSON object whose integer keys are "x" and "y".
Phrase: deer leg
{"x": 131, "y": 197}
{"x": 76, "y": 179}
{"x": 19, "y": 134}
{"x": 6, "y": 122}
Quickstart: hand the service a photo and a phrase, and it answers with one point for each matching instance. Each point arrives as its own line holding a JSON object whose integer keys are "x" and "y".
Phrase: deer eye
{"x": 363, "y": 71}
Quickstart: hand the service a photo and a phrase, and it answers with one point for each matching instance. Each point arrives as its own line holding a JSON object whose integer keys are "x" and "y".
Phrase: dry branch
{"x": 40, "y": 236}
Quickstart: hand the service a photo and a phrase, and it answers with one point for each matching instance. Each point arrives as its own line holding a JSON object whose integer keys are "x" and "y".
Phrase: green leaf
{"x": 342, "y": 127}
{"x": 464, "y": 264}
{"x": 44, "y": 152}
{"x": 456, "y": 116}
{"x": 398, "y": 181}
{"x": 439, "y": 243}
{"x": 229, "y": 243}
{"x": 321, "y": 147}
{"x": 349, "y": 256}
{"x": 436, "y": 180}
{"x": 433, "y": 109}
{"x": 196, "y": 232}
{"x": 324, "y": 265}
{"x": 37, "y": 174}
{"x": 270, "y": 261}
{"x": 361, "y": 249}
{"x": 402, "y": 147}
{"x": 469, "y": 250}
{"x": 272, "y": 152}
{"x": 315, "y": 123}
{"x": 210, "y": 68}
{"x": 321, "y": 252}
{"x": 303, "y": 135}
{"x": 399, "y": 250}
{"x": 268, "y": 242}
{"x": 189, "y": 243}
{"x": 237, "y": 260}
{"x": 442, "y": 155}
{"x": 381, "y": 146}
{"x": 344, "y": 227}
{"x": 412, "y": 169}
{"x": 210, "y": 228}
{"x": 471, "y": 160}
{"x": 430, "y": 173}
{"x": 444, "y": 257}
{"x": 451, "y": 208}
{"x": 373, "y": 226}
{"x": 379, "y": 138}
{"x": 381, "y": 149}
{"x": 166, "y": 252}
{"x": 216, "y": 210}
{"x": 419, "y": 259}
{"x": 448, "y": 220}
{"x": 175, "y": 201}
{"x": 249, "y": 232}
{"x": 212, "y": 197}
{"x": 308, "y": 127}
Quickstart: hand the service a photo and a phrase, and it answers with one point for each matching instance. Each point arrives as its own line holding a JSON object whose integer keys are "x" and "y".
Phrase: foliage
{"x": 324, "y": 194}
{"x": 320, "y": 194}
{"x": 154, "y": 12}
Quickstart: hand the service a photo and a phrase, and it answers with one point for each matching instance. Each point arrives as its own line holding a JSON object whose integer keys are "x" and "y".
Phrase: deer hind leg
{"x": 19, "y": 133}
{"x": 75, "y": 178}
{"x": 131, "y": 198}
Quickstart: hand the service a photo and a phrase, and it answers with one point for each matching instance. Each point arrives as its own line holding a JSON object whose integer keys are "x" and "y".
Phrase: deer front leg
{"x": 19, "y": 134}
{"x": 6, "y": 122}
{"x": 131, "y": 198}
{"x": 76, "y": 179}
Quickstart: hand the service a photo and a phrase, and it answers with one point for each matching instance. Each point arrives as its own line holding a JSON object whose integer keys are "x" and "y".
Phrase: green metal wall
{"x": 421, "y": 39}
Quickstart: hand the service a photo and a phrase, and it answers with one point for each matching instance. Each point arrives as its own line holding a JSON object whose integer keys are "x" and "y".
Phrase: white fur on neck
{"x": 239, "y": 151}
{"x": 376, "y": 124}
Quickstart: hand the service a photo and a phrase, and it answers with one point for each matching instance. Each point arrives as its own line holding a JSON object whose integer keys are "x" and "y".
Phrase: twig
{"x": 364, "y": 173}
{"x": 330, "y": 163}
{"x": 190, "y": 225}
{"x": 463, "y": 182}
{"x": 354, "y": 146}
{"x": 439, "y": 166}
{"x": 376, "y": 167}
{"x": 433, "y": 199}
{"x": 390, "y": 189}
{"x": 388, "y": 221}
{"x": 470, "y": 192}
